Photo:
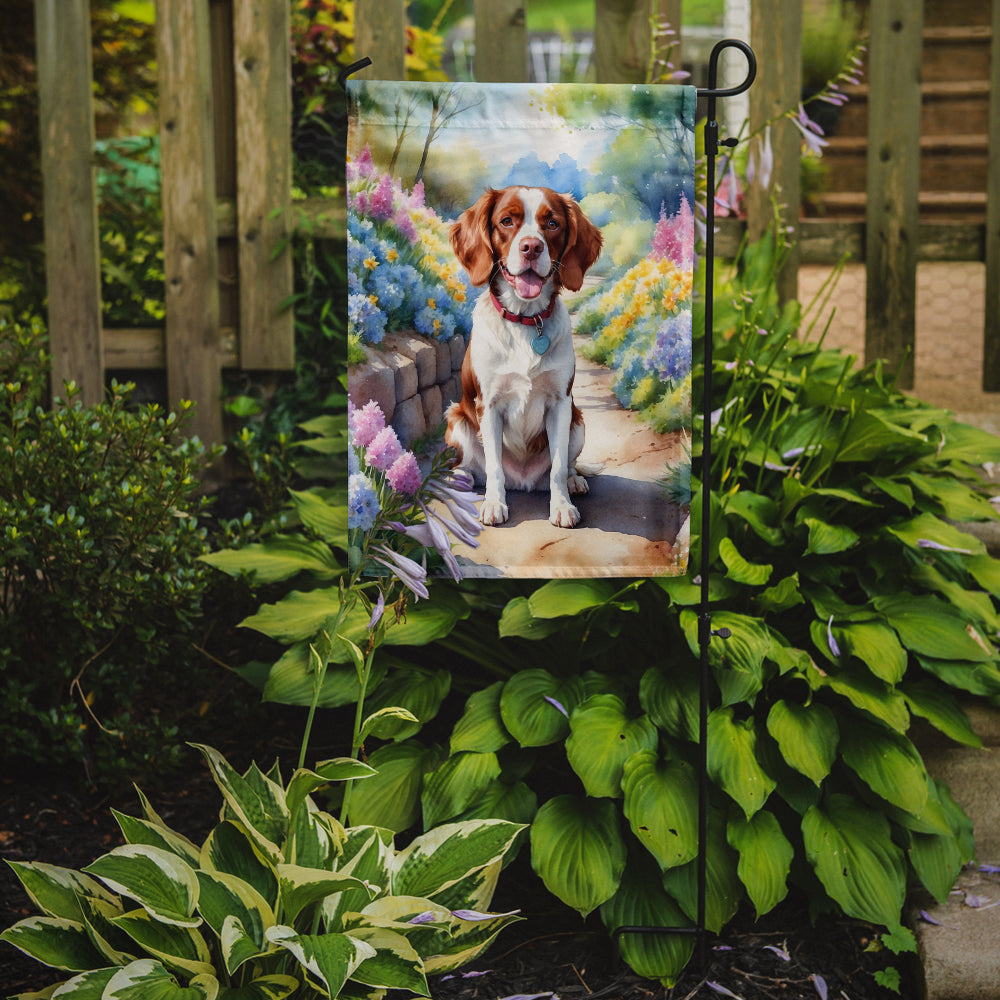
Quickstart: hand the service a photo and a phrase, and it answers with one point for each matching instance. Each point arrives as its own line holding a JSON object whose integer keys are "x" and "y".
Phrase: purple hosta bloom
{"x": 559, "y": 705}
{"x": 811, "y": 132}
{"x": 365, "y": 424}
{"x": 456, "y": 494}
{"x": 427, "y": 917}
{"x": 475, "y": 915}
{"x": 820, "y": 984}
{"x": 782, "y": 953}
{"x": 760, "y": 165}
{"x": 727, "y": 198}
{"x": 719, "y": 988}
{"x": 404, "y": 475}
{"x": 431, "y": 535}
{"x": 377, "y": 612}
{"x": 362, "y": 502}
{"x": 831, "y": 642}
{"x": 927, "y": 543}
{"x": 383, "y": 450}
{"x": 411, "y": 574}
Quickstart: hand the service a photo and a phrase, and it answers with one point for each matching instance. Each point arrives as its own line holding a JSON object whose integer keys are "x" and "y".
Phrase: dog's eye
{"x": 507, "y": 222}
{"x": 552, "y": 224}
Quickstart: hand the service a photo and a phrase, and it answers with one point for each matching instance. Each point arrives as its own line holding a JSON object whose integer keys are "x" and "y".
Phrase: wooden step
{"x": 958, "y": 206}
{"x": 956, "y": 53}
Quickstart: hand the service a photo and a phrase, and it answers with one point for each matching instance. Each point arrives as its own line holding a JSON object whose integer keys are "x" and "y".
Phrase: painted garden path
{"x": 627, "y": 528}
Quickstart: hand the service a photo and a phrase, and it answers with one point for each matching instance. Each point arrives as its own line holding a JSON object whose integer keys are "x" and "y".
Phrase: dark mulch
{"x": 551, "y": 952}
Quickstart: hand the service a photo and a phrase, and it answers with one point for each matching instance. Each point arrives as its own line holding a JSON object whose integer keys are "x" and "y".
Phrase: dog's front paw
{"x": 577, "y": 484}
{"x": 493, "y": 512}
{"x": 564, "y": 515}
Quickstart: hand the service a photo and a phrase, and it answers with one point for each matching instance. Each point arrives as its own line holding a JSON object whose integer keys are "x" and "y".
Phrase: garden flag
{"x": 520, "y": 290}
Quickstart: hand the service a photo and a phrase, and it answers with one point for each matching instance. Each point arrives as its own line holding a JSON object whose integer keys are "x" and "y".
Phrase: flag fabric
{"x": 551, "y": 226}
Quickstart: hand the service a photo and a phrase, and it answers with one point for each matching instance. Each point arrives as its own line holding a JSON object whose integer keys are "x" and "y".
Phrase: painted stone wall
{"x": 412, "y": 378}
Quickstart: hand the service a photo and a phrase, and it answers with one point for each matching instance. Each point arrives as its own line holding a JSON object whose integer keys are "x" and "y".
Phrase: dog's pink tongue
{"x": 528, "y": 285}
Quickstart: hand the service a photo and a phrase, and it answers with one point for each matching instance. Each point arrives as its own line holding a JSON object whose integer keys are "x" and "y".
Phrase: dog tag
{"x": 540, "y": 344}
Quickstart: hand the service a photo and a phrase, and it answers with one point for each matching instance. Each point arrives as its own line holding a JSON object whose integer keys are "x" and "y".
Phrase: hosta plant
{"x": 279, "y": 900}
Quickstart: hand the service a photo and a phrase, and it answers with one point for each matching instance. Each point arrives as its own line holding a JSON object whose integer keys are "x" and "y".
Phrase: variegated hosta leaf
{"x": 230, "y": 849}
{"x": 732, "y": 760}
{"x": 851, "y": 849}
{"x": 304, "y": 782}
{"x": 578, "y": 851}
{"x": 661, "y": 805}
{"x": 807, "y": 736}
{"x": 395, "y": 964}
{"x": 256, "y": 801}
{"x": 441, "y": 857}
{"x": 301, "y": 887}
{"x": 328, "y": 959}
{"x": 367, "y": 853}
{"x": 765, "y": 858}
{"x": 141, "y": 831}
{"x": 481, "y": 727}
{"x": 602, "y": 737}
{"x": 225, "y": 897}
{"x": 116, "y": 946}
{"x": 475, "y": 891}
{"x": 467, "y": 940}
{"x": 54, "y": 941}
{"x": 642, "y": 902}
{"x": 456, "y": 784}
{"x": 149, "y": 980}
{"x": 158, "y": 880}
{"x": 315, "y": 838}
{"x": 56, "y": 891}
{"x": 177, "y": 947}
{"x": 86, "y": 986}
{"x": 275, "y": 987}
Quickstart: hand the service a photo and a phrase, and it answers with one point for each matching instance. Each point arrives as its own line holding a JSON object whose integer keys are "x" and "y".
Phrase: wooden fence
{"x": 226, "y": 160}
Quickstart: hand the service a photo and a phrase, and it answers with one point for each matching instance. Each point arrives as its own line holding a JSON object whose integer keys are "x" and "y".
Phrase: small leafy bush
{"x": 99, "y": 546}
{"x": 280, "y": 899}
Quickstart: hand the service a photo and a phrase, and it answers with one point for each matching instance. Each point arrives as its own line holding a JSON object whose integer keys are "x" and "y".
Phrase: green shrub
{"x": 99, "y": 546}
{"x": 279, "y": 900}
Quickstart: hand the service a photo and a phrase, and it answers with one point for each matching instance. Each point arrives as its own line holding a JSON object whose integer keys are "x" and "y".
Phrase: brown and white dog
{"x": 516, "y": 424}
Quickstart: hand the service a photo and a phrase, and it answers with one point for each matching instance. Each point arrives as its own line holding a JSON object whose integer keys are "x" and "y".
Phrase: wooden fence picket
{"x": 991, "y": 331}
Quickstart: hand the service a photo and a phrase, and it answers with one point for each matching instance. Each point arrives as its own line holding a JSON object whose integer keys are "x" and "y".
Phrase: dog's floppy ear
{"x": 583, "y": 246}
{"x": 470, "y": 238}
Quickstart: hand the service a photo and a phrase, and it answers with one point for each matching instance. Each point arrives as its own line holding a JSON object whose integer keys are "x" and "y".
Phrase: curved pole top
{"x": 713, "y": 69}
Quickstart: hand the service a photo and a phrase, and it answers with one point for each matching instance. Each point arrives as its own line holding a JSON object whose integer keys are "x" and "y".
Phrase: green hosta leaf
{"x": 894, "y": 489}
{"x": 391, "y": 798}
{"x": 225, "y": 897}
{"x": 928, "y": 528}
{"x": 180, "y": 948}
{"x": 976, "y": 678}
{"x": 931, "y": 628}
{"x": 260, "y": 806}
{"x": 751, "y": 574}
{"x": 738, "y": 661}
{"x": 147, "y": 979}
{"x": 292, "y": 681}
{"x": 783, "y": 595}
{"x": 732, "y": 760}
{"x": 279, "y": 558}
{"x": 159, "y": 881}
{"x": 517, "y": 620}
{"x": 440, "y": 858}
{"x": 986, "y": 572}
{"x": 230, "y": 849}
{"x": 417, "y": 690}
{"x": 535, "y": 706}
{"x": 866, "y": 692}
{"x": 56, "y": 891}
{"x": 661, "y": 799}
{"x": 957, "y": 501}
{"x": 870, "y": 436}
{"x": 387, "y": 723}
{"x": 327, "y": 520}
{"x": 888, "y": 763}
{"x": 560, "y": 598}
{"x": 142, "y": 831}
{"x": 274, "y": 987}
{"x": 760, "y": 512}
{"x": 941, "y": 709}
{"x": 301, "y": 887}
{"x": 937, "y": 859}
{"x": 723, "y": 889}
{"x": 395, "y": 965}
{"x": 330, "y": 959}
{"x": 642, "y": 902}
{"x": 481, "y": 728}
{"x": 765, "y": 858}
{"x": 602, "y": 738}
{"x": 516, "y": 803}
{"x": 850, "y": 848}
{"x": 671, "y": 700}
{"x": 456, "y": 784}
{"x": 300, "y": 615}
{"x": 876, "y": 646}
{"x": 975, "y": 605}
{"x": 807, "y": 736}
{"x": 828, "y": 539}
{"x": 965, "y": 443}
{"x": 578, "y": 851}
{"x": 54, "y": 941}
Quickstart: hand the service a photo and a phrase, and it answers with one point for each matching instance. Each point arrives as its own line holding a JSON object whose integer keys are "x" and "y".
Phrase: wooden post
{"x": 622, "y": 39}
{"x": 776, "y": 34}
{"x": 991, "y": 333}
{"x": 262, "y": 59}
{"x": 72, "y": 255}
{"x": 380, "y": 34}
{"x": 893, "y": 183}
{"x": 501, "y": 36}
{"x": 190, "y": 253}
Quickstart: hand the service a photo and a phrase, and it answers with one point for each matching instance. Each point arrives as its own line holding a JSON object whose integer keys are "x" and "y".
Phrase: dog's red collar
{"x": 534, "y": 321}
